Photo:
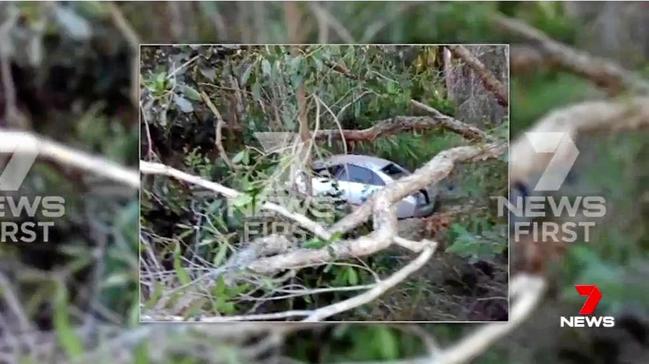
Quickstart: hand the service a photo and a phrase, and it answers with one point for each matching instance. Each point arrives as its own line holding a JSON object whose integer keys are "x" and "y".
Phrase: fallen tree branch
{"x": 462, "y": 128}
{"x": 399, "y": 124}
{"x": 586, "y": 117}
{"x": 432, "y": 172}
{"x": 322, "y": 313}
{"x": 23, "y": 142}
{"x": 490, "y": 82}
{"x": 602, "y": 72}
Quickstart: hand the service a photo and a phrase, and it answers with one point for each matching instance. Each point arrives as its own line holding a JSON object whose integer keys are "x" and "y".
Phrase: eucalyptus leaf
{"x": 190, "y": 93}
{"x": 266, "y": 67}
{"x": 246, "y": 74}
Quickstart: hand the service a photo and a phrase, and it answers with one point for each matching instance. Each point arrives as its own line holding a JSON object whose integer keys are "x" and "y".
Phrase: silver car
{"x": 357, "y": 177}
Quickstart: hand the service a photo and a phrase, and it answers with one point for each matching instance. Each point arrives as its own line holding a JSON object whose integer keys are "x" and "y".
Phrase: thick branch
{"x": 488, "y": 79}
{"x": 22, "y": 142}
{"x": 592, "y": 116}
{"x": 603, "y": 73}
{"x": 431, "y": 173}
{"x": 399, "y": 124}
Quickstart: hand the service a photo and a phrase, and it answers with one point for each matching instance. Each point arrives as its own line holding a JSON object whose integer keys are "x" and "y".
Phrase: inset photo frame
{"x": 315, "y": 183}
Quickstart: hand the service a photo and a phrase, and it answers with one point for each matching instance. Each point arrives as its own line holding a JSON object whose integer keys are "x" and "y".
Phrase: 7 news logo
{"x": 587, "y": 318}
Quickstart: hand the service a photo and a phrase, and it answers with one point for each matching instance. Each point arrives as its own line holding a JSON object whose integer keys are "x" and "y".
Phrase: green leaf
{"x": 219, "y": 288}
{"x": 242, "y": 200}
{"x": 190, "y": 93}
{"x": 246, "y": 74}
{"x": 220, "y": 255}
{"x": 314, "y": 243}
{"x": 66, "y": 335}
{"x": 387, "y": 343}
{"x": 266, "y": 68}
{"x": 181, "y": 273}
{"x": 240, "y": 157}
{"x": 158, "y": 289}
{"x": 142, "y": 353}
{"x": 208, "y": 72}
{"x": 352, "y": 276}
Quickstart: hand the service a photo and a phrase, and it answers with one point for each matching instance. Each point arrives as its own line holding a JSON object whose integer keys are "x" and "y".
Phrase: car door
{"x": 358, "y": 183}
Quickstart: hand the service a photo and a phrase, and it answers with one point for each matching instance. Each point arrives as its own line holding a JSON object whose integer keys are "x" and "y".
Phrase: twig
{"x": 217, "y": 130}
{"x": 490, "y": 82}
{"x": 253, "y": 317}
{"x": 22, "y": 142}
{"x": 374, "y": 28}
{"x": 184, "y": 65}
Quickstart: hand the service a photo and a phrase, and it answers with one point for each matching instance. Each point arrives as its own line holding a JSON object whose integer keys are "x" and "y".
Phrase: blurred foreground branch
{"x": 586, "y": 117}
{"x": 26, "y": 143}
{"x": 602, "y": 72}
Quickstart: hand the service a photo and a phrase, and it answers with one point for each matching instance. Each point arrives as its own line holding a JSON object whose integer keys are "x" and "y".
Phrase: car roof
{"x": 367, "y": 161}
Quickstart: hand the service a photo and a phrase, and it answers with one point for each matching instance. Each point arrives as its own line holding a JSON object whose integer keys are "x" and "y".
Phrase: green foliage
{"x": 363, "y": 343}
{"x": 484, "y": 246}
{"x": 158, "y": 84}
{"x": 539, "y": 93}
{"x": 65, "y": 332}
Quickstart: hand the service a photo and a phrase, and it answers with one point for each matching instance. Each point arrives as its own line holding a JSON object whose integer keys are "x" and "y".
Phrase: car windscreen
{"x": 394, "y": 171}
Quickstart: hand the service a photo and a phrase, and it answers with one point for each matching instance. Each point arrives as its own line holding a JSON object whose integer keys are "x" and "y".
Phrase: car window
{"x": 394, "y": 171}
{"x": 328, "y": 172}
{"x": 358, "y": 174}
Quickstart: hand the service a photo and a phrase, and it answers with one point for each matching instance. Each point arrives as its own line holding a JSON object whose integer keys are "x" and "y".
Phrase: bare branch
{"x": 602, "y": 72}
{"x": 399, "y": 124}
{"x": 322, "y": 313}
{"x": 22, "y": 142}
{"x": 488, "y": 79}
{"x": 217, "y": 130}
{"x": 462, "y": 128}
